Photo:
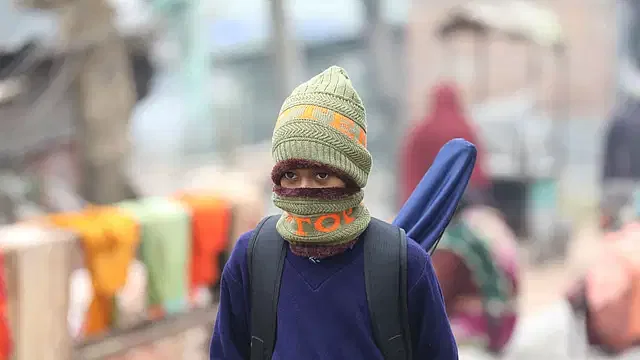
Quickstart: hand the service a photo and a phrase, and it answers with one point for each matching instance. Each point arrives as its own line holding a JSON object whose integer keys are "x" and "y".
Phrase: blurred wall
{"x": 589, "y": 26}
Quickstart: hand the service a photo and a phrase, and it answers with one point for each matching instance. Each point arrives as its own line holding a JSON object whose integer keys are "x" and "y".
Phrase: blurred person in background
{"x": 621, "y": 165}
{"x": 622, "y": 149}
{"x": 446, "y": 121}
{"x": 476, "y": 263}
{"x": 608, "y": 295}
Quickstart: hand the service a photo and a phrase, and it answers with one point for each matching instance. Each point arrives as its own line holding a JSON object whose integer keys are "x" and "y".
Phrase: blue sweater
{"x": 323, "y": 312}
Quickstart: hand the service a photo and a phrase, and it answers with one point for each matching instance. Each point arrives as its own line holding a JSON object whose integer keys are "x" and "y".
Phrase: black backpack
{"x": 385, "y": 270}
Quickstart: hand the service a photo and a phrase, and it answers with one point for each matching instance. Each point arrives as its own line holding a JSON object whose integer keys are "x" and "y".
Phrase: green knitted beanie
{"x": 323, "y": 120}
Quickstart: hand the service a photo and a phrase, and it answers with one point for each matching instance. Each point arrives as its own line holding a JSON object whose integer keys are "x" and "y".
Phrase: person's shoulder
{"x": 242, "y": 243}
{"x": 418, "y": 262}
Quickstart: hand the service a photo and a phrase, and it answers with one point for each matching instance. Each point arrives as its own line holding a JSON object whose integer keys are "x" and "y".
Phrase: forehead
{"x": 311, "y": 169}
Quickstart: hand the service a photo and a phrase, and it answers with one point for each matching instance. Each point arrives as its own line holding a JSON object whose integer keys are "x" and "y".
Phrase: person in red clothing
{"x": 445, "y": 121}
{"x": 476, "y": 261}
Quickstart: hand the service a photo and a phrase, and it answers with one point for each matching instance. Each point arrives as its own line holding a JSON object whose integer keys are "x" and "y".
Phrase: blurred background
{"x": 107, "y": 100}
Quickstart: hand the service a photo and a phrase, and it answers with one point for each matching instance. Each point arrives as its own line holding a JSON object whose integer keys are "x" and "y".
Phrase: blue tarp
{"x": 432, "y": 204}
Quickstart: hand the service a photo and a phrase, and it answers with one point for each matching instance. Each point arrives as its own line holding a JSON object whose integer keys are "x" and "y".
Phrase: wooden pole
{"x": 286, "y": 52}
{"x": 383, "y": 68}
{"x": 106, "y": 96}
{"x": 38, "y": 263}
{"x": 385, "y": 62}
{"x": 103, "y": 85}
{"x": 105, "y": 91}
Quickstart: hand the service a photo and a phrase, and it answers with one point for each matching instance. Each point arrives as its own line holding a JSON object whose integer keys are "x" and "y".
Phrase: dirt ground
{"x": 544, "y": 285}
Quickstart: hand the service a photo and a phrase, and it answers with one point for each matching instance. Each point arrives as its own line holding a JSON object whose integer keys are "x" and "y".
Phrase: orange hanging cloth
{"x": 211, "y": 226}
{"x": 6, "y": 344}
{"x": 109, "y": 239}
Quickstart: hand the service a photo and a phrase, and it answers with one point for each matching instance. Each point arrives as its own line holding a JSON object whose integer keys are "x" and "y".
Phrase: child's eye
{"x": 322, "y": 176}
{"x": 289, "y": 175}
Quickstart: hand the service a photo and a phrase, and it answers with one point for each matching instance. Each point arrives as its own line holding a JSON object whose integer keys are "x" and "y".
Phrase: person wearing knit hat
{"x": 322, "y": 164}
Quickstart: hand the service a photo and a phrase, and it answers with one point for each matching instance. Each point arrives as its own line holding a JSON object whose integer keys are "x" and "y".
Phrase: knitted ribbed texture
{"x": 324, "y": 229}
{"x": 308, "y": 207}
{"x": 324, "y": 120}
{"x": 322, "y": 221}
{"x": 331, "y": 87}
{"x": 315, "y": 149}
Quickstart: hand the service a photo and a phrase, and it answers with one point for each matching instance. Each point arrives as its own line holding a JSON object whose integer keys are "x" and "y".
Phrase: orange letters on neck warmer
{"x": 326, "y": 223}
{"x": 327, "y": 229}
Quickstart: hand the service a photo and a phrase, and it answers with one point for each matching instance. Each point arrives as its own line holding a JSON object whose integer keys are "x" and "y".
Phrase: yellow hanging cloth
{"x": 109, "y": 239}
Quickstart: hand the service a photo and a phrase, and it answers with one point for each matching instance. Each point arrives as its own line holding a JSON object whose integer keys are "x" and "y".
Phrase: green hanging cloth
{"x": 165, "y": 233}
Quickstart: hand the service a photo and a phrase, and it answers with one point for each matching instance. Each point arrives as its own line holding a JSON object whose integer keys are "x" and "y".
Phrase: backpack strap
{"x": 385, "y": 273}
{"x": 265, "y": 255}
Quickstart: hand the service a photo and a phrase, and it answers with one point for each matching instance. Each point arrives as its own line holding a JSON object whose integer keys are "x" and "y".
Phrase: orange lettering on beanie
{"x": 282, "y": 117}
{"x": 362, "y": 138}
{"x": 307, "y": 114}
{"x": 334, "y": 119}
{"x": 343, "y": 124}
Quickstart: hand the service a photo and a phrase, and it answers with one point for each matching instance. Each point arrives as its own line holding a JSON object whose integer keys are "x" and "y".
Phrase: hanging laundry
{"x": 6, "y": 345}
{"x": 240, "y": 188}
{"x": 109, "y": 239}
{"x": 165, "y": 233}
{"x": 211, "y": 227}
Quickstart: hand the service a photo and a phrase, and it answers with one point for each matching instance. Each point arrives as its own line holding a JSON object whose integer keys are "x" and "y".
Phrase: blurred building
{"x": 573, "y": 99}
{"x": 589, "y": 27}
{"x": 39, "y": 112}
{"x": 244, "y": 84}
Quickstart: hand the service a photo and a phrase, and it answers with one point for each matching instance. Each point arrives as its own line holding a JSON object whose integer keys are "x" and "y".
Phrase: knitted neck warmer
{"x": 317, "y": 227}
{"x": 320, "y": 222}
